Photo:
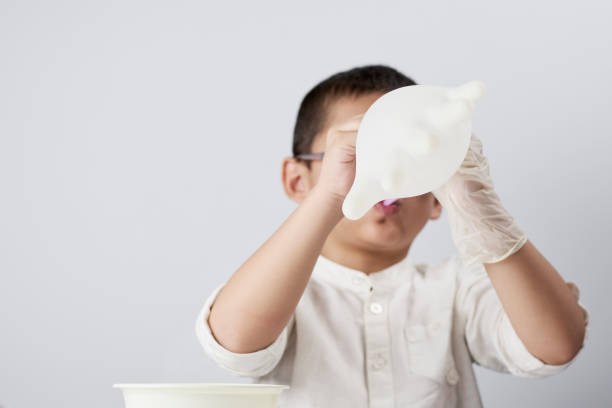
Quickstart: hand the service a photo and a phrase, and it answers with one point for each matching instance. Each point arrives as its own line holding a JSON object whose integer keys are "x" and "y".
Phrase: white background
{"x": 140, "y": 152}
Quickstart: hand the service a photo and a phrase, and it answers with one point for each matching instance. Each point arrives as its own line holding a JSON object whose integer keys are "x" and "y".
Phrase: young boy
{"x": 336, "y": 308}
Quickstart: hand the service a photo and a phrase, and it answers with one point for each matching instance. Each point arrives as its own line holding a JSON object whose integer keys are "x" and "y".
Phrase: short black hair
{"x": 358, "y": 81}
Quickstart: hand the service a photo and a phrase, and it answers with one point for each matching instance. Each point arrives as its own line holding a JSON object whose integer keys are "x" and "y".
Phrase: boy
{"x": 337, "y": 310}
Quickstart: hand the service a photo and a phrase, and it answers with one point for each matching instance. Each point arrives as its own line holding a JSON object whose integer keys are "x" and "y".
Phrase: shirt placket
{"x": 378, "y": 350}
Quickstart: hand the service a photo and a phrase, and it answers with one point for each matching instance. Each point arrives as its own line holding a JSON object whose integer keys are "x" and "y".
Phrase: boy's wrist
{"x": 330, "y": 203}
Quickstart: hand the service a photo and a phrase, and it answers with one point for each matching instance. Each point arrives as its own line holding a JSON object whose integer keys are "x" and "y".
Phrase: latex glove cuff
{"x": 481, "y": 228}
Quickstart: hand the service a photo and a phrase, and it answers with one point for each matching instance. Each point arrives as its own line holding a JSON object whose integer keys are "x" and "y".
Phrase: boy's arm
{"x": 490, "y": 335}
{"x": 258, "y": 301}
{"x": 536, "y": 300}
{"x": 539, "y": 304}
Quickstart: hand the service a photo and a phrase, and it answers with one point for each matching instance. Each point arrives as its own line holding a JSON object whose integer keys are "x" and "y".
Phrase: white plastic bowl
{"x": 200, "y": 395}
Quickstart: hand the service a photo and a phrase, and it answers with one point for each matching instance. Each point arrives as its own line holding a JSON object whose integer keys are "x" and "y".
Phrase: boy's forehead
{"x": 344, "y": 108}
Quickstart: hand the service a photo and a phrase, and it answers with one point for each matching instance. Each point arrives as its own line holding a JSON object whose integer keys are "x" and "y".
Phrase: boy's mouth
{"x": 389, "y": 206}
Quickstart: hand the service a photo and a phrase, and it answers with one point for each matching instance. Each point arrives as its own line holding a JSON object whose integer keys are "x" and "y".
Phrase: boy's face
{"x": 375, "y": 231}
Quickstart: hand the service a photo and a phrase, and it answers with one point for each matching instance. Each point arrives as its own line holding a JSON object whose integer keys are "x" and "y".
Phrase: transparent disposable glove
{"x": 481, "y": 228}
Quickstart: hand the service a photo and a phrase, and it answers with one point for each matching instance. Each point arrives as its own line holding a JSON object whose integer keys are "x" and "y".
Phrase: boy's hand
{"x": 482, "y": 229}
{"x": 338, "y": 167}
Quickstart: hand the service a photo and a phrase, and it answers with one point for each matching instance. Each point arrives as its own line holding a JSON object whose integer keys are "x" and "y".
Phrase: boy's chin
{"x": 383, "y": 234}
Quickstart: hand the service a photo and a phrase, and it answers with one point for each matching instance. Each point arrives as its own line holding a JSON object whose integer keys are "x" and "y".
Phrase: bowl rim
{"x": 197, "y": 386}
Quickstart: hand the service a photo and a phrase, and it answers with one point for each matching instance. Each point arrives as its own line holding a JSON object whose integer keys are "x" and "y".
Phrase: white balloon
{"x": 410, "y": 142}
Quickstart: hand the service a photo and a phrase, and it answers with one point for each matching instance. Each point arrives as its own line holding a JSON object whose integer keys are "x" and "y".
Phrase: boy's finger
{"x": 334, "y": 134}
{"x": 341, "y": 138}
{"x": 352, "y": 123}
{"x": 574, "y": 289}
{"x": 347, "y": 138}
{"x": 350, "y": 126}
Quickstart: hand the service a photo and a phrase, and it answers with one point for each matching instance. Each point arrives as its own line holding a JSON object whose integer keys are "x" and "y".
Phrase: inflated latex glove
{"x": 481, "y": 228}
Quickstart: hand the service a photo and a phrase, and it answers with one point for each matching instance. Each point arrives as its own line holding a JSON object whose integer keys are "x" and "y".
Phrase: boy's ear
{"x": 436, "y": 209}
{"x": 294, "y": 176}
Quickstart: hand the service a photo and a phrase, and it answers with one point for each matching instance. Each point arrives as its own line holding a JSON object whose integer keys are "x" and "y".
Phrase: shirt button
{"x": 452, "y": 376}
{"x": 379, "y": 363}
{"x": 376, "y": 308}
{"x": 435, "y": 326}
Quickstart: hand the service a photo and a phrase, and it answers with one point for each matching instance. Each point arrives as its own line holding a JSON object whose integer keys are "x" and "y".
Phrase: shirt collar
{"x": 340, "y": 275}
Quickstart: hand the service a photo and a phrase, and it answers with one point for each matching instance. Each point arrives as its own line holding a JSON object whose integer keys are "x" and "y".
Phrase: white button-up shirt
{"x": 405, "y": 336}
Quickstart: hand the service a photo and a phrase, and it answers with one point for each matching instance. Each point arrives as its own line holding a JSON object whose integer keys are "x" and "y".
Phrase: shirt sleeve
{"x": 254, "y": 364}
{"x": 490, "y": 337}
